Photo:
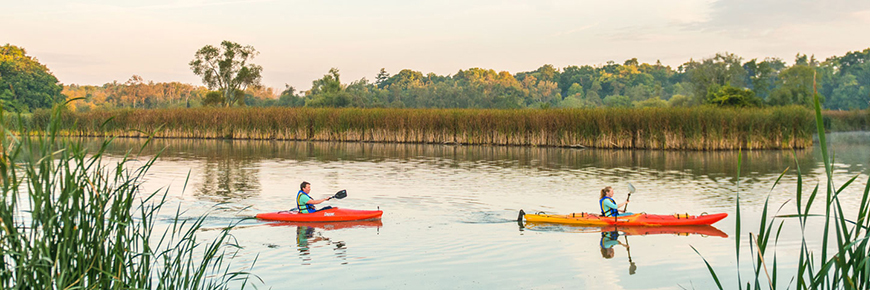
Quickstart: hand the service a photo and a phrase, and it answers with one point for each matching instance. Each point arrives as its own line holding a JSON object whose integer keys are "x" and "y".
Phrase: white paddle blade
{"x": 631, "y": 188}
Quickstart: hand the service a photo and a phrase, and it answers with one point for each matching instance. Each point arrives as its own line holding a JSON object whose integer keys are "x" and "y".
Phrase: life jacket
{"x": 611, "y": 212}
{"x": 303, "y": 207}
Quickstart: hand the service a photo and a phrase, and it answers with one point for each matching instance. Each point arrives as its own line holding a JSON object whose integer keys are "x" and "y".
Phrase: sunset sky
{"x": 95, "y": 42}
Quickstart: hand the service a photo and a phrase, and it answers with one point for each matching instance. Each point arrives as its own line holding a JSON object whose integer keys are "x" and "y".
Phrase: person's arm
{"x": 621, "y": 205}
{"x": 317, "y": 201}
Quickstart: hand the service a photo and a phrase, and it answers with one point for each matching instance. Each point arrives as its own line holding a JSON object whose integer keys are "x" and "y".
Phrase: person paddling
{"x": 609, "y": 207}
{"x": 304, "y": 202}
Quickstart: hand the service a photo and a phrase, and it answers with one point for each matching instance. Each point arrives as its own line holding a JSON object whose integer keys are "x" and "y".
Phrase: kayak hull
{"x": 370, "y": 223}
{"x": 702, "y": 230}
{"x": 328, "y": 215}
{"x": 640, "y": 219}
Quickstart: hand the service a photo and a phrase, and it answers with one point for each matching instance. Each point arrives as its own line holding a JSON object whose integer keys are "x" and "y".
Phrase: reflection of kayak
{"x": 640, "y": 219}
{"x": 328, "y": 215}
{"x": 331, "y": 225}
{"x": 704, "y": 230}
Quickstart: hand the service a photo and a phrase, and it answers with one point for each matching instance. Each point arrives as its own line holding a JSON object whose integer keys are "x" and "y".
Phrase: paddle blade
{"x": 340, "y": 194}
{"x": 631, "y": 188}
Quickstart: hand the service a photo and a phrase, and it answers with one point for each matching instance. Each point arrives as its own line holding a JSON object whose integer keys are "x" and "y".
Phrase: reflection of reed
{"x": 246, "y": 152}
{"x": 687, "y": 128}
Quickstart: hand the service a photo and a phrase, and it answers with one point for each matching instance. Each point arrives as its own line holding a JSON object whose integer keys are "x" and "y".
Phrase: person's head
{"x": 305, "y": 187}
{"x": 607, "y": 191}
{"x": 607, "y": 253}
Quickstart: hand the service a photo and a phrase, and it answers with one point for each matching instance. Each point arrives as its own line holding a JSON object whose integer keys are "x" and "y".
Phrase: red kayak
{"x": 328, "y": 215}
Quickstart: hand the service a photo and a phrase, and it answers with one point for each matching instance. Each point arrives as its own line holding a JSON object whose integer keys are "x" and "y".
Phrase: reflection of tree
{"x": 228, "y": 176}
{"x": 548, "y": 158}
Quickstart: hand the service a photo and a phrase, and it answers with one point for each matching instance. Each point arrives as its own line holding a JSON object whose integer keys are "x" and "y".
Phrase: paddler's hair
{"x": 302, "y": 186}
{"x": 604, "y": 191}
{"x": 607, "y": 253}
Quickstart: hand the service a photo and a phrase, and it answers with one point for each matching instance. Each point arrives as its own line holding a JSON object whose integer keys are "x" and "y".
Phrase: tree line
{"x": 843, "y": 83}
{"x": 232, "y": 79}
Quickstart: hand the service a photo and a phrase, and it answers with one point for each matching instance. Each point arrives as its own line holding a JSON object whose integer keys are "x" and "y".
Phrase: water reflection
{"x": 230, "y": 167}
{"x": 448, "y": 208}
{"x": 610, "y": 235}
{"x": 228, "y": 178}
{"x": 310, "y": 236}
{"x": 306, "y": 236}
{"x": 252, "y": 151}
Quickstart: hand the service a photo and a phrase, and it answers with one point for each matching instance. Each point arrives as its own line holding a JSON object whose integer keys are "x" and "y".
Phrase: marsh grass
{"x": 847, "y": 266}
{"x": 71, "y": 220}
{"x": 701, "y": 128}
{"x": 854, "y": 120}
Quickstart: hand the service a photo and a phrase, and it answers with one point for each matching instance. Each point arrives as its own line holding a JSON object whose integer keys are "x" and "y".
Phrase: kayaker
{"x": 608, "y": 206}
{"x": 304, "y": 202}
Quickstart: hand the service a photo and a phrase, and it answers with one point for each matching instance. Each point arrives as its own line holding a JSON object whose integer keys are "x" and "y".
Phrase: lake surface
{"x": 450, "y": 211}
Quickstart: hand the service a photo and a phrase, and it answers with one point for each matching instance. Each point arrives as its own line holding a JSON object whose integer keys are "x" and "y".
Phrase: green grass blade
{"x": 709, "y": 268}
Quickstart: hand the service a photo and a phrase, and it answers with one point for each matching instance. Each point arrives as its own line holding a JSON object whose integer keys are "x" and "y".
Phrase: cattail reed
{"x": 69, "y": 219}
{"x": 701, "y": 128}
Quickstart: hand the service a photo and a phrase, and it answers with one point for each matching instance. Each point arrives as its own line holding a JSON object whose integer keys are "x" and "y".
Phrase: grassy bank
{"x": 703, "y": 128}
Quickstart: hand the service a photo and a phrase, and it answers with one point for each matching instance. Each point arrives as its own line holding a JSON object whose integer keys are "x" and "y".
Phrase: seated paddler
{"x": 304, "y": 202}
{"x": 609, "y": 207}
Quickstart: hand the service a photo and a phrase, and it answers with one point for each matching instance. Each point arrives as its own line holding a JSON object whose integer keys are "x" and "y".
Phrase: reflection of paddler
{"x": 305, "y": 236}
{"x": 608, "y": 240}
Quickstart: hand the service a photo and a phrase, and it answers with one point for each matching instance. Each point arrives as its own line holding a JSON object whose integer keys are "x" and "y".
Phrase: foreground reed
{"x": 846, "y": 267}
{"x": 69, "y": 220}
{"x": 702, "y": 128}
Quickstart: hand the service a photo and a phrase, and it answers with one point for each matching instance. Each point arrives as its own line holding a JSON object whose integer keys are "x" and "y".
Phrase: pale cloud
{"x": 572, "y": 31}
{"x": 759, "y": 17}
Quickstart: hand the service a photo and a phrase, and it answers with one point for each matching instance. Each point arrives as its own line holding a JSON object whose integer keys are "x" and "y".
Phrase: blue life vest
{"x": 612, "y": 212}
{"x": 304, "y": 207}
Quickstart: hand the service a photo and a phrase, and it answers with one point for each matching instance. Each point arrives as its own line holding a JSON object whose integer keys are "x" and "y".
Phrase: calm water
{"x": 450, "y": 211}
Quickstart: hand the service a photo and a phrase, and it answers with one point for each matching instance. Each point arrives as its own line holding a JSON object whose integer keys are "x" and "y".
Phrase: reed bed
{"x": 854, "y": 120}
{"x": 704, "y": 128}
{"x": 69, "y": 220}
{"x": 847, "y": 266}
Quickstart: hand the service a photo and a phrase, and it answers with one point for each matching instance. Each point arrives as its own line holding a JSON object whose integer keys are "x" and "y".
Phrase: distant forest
{"x": 843, "y": 83}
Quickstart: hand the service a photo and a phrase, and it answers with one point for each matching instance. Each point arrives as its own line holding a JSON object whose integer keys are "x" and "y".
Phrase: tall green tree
{"x": 795, "y": 87}
{"x": 762, "y": 76}
{"x": 227, "y": 68}
{"x": 26, "y": 84}
{"x": 720, "y": 70}
{"x": 729, "y": 96}
{"x": 328, "y": 92}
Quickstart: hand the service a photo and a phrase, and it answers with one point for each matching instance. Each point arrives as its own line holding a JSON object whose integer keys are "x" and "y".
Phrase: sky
{"x": 96, "y": 42}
